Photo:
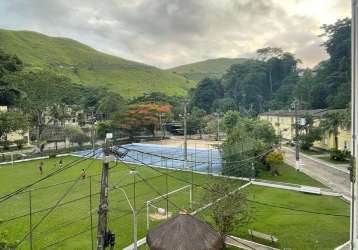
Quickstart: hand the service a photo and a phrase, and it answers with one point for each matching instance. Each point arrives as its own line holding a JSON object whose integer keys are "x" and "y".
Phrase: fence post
{"x": 91, "y": 216}
{"x": 30, "y": 217}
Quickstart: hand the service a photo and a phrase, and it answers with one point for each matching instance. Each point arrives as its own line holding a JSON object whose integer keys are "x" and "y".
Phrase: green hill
{"x": 209, "y": 68}
{"x": 88, "y": 66}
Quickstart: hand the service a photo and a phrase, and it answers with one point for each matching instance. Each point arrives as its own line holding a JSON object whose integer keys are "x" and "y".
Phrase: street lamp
{"x": 134, "y": 212}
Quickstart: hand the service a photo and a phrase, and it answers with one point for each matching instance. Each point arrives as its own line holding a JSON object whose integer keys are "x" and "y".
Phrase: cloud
{"x": 166, "y": 33}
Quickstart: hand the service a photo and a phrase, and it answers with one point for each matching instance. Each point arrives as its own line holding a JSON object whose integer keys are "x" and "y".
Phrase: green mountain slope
{"x": 209, "y": 68}
{"x": 88, "y": 66}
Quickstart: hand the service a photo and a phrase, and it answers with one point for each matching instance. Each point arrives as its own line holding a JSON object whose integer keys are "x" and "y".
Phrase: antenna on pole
{"x": 185, "y": 133}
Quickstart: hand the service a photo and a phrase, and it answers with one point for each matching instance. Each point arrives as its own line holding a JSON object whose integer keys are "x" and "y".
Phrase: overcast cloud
{"x": 167, "y": 33}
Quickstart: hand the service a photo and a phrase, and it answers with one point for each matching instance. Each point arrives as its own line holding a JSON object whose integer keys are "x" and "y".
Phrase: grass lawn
{"x": 297, "y": 230}
{"x": 328, "y": 159}
{"x": 312, "y": 152}
{"x": 74, "y": 217}
{"x": 290, "y": 175}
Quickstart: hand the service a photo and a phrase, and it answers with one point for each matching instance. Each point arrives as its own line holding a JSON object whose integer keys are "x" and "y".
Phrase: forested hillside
{"x": 213, "y": 68}
{"x": 89, "y": 67}
{"x": 275, "y": 80}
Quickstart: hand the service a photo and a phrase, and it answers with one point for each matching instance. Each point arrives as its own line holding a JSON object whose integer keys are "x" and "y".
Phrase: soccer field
{"x": 72, "y": 217}
{"x": 69, "y": 225}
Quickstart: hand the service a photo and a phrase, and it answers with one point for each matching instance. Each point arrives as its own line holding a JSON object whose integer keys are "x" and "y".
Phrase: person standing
{"x": 83, "y": 174}
{"x": 40, "y": 167}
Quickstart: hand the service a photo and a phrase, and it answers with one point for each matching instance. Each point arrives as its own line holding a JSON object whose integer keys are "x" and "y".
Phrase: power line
{"x": 77, "y": 234}
{"x": 69, "y": 202}
{"x": 152, "y": 187}
{"x": 296, "y": 209}
{"x": 262, "y": 203}
{"x": 197, "y": 162}
{"x": 52, "y": 209}
{"x": 67, "y": 166}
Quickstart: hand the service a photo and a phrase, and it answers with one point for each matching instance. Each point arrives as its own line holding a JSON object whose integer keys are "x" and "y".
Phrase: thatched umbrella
{"x": 184, "y": 232}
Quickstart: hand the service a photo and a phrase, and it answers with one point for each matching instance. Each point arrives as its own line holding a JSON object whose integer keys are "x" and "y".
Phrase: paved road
{"x": 332, "y": 177}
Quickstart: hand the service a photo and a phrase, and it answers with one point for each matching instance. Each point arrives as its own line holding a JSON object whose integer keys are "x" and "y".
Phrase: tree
{"x": 247, "y": 84}
{"x": 144, "y": 116}
{"x": 44, "y": 89}
{"x": 231, "y": 119}
{"x": 231, "y": 212}
{"x": 307, "y": 139}
{"x": 76, "y": 135}
{"x": 195, "y": 121}
{"x": 9, "y": 64}
{"x": 111, "y": 104}
{"x": 246, "y": 138}
{"x": 225, "y": 104}
{"x": 207, "y": 91}
{"x": 12, "y": 122}
{"x": 331, "y": 123}
{"x": 335, "y": 72}
{"x": 105, "y": 127}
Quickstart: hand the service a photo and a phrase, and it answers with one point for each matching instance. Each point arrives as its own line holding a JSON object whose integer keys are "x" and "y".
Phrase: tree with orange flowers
{"x": 145, "y": 117}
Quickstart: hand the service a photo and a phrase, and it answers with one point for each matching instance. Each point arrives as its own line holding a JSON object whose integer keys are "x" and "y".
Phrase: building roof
{"x": 184, "y": 232}
{"x": 311, "y": 112}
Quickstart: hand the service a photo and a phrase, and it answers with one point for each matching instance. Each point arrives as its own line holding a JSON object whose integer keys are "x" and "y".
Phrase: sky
{"x": 167, "y": 33}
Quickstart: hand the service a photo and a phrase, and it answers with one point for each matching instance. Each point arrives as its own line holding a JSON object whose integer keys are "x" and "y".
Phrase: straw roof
{"x": 184, "y": 232}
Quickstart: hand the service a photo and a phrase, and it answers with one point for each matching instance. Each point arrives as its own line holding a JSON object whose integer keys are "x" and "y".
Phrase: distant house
{"x": 17, "y": 135}
{"x": 70, "y": 117}
{"x": 283, "y": 122}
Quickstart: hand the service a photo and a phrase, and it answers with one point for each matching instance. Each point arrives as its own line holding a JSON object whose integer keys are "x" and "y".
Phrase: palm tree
{"x": 332, "y": 122}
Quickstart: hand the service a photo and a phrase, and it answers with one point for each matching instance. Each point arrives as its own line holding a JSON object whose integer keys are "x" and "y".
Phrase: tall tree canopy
{"x": 9, "y": 64}
{"x": 274, "y": 81}
{"x": 207, "y": 91}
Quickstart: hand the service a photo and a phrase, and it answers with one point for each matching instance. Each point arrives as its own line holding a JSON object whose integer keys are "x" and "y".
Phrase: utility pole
{"x": 354, "y": 149}
{"x": 92, "y": 131}
{"x": 30, "y": 213}
{"x": 185, "y": 133}
{"x": 297, "y": 146}
{"x": 104, "y": 237}
{"x": 218, "y": 127}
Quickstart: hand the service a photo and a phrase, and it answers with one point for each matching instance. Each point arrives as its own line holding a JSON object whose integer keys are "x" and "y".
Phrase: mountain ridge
{"x": 85, "y": 65}
{"x": 215, "y": 67}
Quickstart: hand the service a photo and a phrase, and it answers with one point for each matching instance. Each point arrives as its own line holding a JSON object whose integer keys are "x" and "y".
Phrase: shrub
{"x": 273, "y": 160}
{"x": 20, "y": 143}
{"x": 339, "y": 155}
{"x": 307, "y": 140}
{"x": 5, "y": 243}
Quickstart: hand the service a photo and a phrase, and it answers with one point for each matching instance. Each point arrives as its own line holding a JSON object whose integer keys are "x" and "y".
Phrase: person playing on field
{"x": 41, "y": 167}
{"x": 61, "y": 164}
{"x": 83, "y": 174}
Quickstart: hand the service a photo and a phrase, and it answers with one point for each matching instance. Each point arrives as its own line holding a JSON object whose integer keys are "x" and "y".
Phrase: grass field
{"x": 71, "y": 220}
{"x": 290, "y": 175}
{"x": 85, "y": 65}
{"x": 55, "y": 227}
{"x": 328, "y": 159}
{"x": 296, "y": 230}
